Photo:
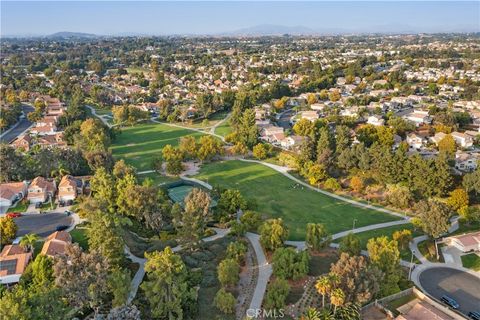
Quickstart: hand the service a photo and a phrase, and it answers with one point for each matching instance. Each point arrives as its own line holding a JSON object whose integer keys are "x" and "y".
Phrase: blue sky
{"x": 197, "y": 17}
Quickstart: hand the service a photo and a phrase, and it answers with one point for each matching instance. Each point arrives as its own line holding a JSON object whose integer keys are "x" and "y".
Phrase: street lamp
{"x": 354, "y": 220}
{"x": 411, "y": 265}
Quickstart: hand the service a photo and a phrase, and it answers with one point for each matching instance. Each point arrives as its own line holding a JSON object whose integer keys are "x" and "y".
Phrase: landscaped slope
{"x": 279, "y": 197}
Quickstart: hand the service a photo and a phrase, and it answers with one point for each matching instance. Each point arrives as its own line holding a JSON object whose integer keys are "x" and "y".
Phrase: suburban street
{"x": 42, "y": 224}
{"x": 461, "y": 286}
{"x": 18, "y": 128}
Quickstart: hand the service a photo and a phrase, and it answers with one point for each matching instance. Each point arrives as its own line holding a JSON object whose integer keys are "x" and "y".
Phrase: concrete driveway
{"x": 461, "y": 286}
{"x": 42, "y": 224}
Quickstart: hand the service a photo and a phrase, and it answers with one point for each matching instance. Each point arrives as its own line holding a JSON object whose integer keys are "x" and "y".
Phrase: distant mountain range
{"x": 268, "y": 30}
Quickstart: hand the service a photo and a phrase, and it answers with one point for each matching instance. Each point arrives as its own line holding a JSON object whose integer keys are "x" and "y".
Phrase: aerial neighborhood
{"x": 240, "y": 177}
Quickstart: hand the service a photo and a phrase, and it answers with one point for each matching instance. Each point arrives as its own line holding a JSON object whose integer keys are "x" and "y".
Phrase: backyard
{"x": 279, "y": 197}
{"x": 138, "y": 145}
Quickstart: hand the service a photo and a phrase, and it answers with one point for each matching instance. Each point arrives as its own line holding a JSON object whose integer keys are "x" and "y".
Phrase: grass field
{"x": 157, "y": 178}
{"x": 276, "y": 197}
{"x": 79, "y": 236}
{"x": 471, "y": 261}
{"x": 223, "y": 129}
{"x": 138, "y": 145}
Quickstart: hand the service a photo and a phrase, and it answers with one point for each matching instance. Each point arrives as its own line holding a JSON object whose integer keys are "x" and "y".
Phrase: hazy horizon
{"x": 37, "y": 18}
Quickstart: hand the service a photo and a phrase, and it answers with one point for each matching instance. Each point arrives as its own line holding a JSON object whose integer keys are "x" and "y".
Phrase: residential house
{"x": 309, "y": 115}
{"x": 376, "y": 120}
{"x": 415, "y": 141}
{"x": 23, "y": 142}
{"x": 70, "y": 187}
{"x": 41, "y": 189}
{"x": 418, "y": 117}
{"x": 46, "y": 125}
{"x": 12, "y": 192}
{"x": 270, "y": 133}
{"x": 317, "y": 106}
{"x": 466, "y": 162}
{"x": 13, "y": 262}
{"x": 465, "y": 242}
{"x": 56, "y": 243}
{"x": 292, "y": 142}
{"x": 463, "y": 140}
{"x": 437, "y": 137}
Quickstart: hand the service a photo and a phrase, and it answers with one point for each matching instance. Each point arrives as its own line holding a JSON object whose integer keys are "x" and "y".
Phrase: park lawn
{"x": 276, "y": 196}
{"x": 471, "y": 261}
{"x": 138, "y": 145}
{"x": 131, "y": 70}
{"x": 223, "y": 129}
{"x": 158, "y": 179}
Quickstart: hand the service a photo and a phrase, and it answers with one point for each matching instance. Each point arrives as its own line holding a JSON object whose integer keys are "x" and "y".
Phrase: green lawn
{"x": 223, "y": 129}
{"x": 158, "y": 179}
{"x": 277, "y": 197}
{"x": 471, "y": 261}
{"x": 139, "y": 144}
{"x": 79, "y": 236}
{"x": 405, "y": 254}
{"x": 20, "y": 206}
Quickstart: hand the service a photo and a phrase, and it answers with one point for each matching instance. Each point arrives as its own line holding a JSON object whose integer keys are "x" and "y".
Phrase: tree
{"x": 224, "y": 301}
{"x": 121, "y": 169}
{"x": 236, "y": 250}
{"x": 272, "y": 234}
{"x": 119, "y": 285}
{"x": 332, "y": 184}
{"x": 277, "y": 292}
{"x": 384, "y": 254}
{"x": 334, "y": 96}
{"x": 434, "y": 216}
{"x": 28, "y": 241}
{"x": 337, "y": 299}
{"x": 316, "y": 173}
{"x": 359, "y": 281}
{"x": 231, "y": 200}
{"x": 317, "y": 236}
{"x": 403, "y": 237}
{"x": 357, "y": 184}
{"x": 167, "y": 289}
{"x": 228, "y": 272}
{"x": 471, "y": 181}
{"x": 399, "y": 196}
{"x": 260, "y": 151}
{"x": 251, "y": 220}
{"x": 173, "y": 157}
{"x": 458, "y": 199}
{"x": 8, "y": 230}
{"x": 447, "y": 145}
{"x": 304, "y": 127}
{"x": 289, "y": 264}
{"x": 93, "y": 136}
{"x": 191, "y": 223}
{"x": 103, "y": 237}
{"x": 82, "y": 277}
{"x": 102, "y": 186}
{"x": 350, "y": 244}
{"x": 324, "y": 285}
{"x": 209, "y": 147}
{"x": 188, "y": 146}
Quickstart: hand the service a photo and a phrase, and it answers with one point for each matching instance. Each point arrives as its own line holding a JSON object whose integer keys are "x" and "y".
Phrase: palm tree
{"x": 337, "y": 298}
{"x": 28, "y": 241}
{"x": 323, "y": 286}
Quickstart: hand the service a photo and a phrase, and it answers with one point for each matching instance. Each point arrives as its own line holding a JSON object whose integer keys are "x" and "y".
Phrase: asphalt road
{"x": 42, "y": 224}
{"x": 22, "y": 125}
{"x": 284, "y": 120}
{"x": 461, "y": 286}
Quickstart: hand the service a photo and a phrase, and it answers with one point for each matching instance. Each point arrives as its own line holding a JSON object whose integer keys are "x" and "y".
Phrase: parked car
{"x": 69, "y": 202}
{"x": 61, "y": 227}
{"x": 450, "y": 302}
{"x": 38, "y": 205}
{"x": 61, "y": 204}
{"x": 14, "y": 214}
{"x": 475, "y": 315}
{"x": 68, "y": 212}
